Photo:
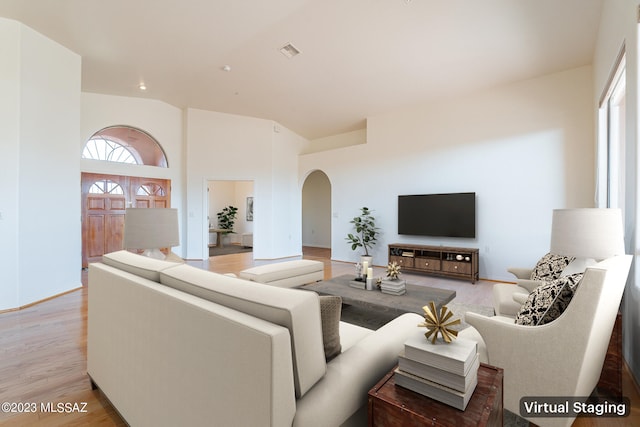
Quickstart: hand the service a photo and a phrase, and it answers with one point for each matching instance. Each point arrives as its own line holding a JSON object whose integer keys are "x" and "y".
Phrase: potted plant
{"x": 366, "y": 232}
{"x": 227, "y": 218}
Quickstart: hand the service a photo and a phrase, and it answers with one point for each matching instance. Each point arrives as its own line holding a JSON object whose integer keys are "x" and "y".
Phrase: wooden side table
{"x": 391, "y": 405}
{"x": 610, "y": 382}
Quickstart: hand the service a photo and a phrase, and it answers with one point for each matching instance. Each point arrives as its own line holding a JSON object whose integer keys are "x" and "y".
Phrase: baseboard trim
{"x": 31, "y": 304}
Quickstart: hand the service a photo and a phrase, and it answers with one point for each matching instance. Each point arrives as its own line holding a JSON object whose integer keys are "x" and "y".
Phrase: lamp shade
{"x": 150, "y": 228}
{"x": 587, "y": 233}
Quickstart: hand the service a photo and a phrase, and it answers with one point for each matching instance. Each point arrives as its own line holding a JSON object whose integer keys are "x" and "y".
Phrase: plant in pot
{"x": 227, "y": 218}
{"x": 365, "y": 235}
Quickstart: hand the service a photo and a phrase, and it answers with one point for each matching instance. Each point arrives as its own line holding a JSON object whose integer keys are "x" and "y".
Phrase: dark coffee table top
{"x": 417, "y": 296}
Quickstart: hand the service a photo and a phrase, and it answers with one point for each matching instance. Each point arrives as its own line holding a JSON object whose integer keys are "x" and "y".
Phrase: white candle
{"x": 370, "y": 272}
{"x": 365, "y": 264}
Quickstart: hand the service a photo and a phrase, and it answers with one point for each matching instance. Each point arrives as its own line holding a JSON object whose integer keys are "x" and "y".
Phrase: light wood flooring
{"x": 43, "y": 350}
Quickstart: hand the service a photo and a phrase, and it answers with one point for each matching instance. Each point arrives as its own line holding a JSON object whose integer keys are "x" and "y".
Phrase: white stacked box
{"x": 444, "y": 372}
{"x": 393, "y": 287}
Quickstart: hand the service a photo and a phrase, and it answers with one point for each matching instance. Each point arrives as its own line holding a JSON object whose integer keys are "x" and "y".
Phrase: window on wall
{"x": 611, "y": 140}
{"x": 125, "y": 144}
{"x": 104, "y": 149}
{"x": 106, "y": 187}
{"x": 150, "y": 190}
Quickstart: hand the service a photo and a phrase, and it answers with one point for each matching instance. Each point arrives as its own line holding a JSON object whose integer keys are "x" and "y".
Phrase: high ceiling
{"x": 358, "y": 58}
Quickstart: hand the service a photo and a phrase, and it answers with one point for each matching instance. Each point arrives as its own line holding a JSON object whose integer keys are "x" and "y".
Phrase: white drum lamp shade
{"x": 587, "y": 233}
{"x": 151, "y": 229}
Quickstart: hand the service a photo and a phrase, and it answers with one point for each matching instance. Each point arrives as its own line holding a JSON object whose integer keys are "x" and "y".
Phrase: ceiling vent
{"x": 289, "y": 50}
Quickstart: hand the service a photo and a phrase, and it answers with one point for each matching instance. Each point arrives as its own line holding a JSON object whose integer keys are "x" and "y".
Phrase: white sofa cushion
{"x": 281, "y": 270}
{"x": 296, "y": 310}
{"x": 142, "y": 266}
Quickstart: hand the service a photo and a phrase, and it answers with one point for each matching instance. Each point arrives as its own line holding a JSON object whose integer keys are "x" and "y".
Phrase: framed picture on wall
{"x": 249, "y": 208}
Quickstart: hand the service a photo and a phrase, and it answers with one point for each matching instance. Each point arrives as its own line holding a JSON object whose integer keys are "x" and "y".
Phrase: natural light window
{"x": 106, "y": 187}
{"x": 611, "y": 140}
{"x": 111, "y": 151}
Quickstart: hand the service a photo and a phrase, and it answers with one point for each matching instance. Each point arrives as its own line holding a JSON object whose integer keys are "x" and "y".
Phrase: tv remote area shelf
{"x": 460, "y": 263}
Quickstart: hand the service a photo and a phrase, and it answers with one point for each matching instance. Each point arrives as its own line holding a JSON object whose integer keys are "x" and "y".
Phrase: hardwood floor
{"x": 43, "y": 351}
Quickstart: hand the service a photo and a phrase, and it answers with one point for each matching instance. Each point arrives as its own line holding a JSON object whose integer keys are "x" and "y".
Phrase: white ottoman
{"x": 288, "y": 274}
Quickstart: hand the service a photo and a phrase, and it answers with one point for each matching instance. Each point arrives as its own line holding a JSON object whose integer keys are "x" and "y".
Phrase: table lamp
{"x": 151, "y": 229}
{"x": 587, "y": 233}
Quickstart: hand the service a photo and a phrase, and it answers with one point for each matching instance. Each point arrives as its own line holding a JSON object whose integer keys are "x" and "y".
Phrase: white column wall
{"x": 230, "y": 147}
{"x": 10, "y": 144}
{"x": 43, "y": 199}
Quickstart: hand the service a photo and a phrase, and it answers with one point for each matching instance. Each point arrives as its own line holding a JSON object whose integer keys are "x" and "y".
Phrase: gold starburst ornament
{"x": 439, "y": 323}
{"x": 393, "y": 270}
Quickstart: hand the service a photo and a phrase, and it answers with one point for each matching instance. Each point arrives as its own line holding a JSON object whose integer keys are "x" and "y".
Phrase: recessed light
{"x": 226, "y": 68}
{"x": 289, "y": 50}
{"x": 142, "y": 86}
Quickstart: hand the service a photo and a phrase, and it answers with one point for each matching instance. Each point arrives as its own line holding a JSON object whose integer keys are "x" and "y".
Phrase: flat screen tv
{"x": 442, "y": 215}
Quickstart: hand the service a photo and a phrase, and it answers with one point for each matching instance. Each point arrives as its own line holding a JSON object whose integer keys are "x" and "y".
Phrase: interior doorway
{"x": 104, "y": 200}
{"x": 316, "y": 211}
{"x": 239, "y": 194}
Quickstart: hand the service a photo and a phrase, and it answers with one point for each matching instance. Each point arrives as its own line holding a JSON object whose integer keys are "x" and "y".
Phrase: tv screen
{"x": 442, "y": 215}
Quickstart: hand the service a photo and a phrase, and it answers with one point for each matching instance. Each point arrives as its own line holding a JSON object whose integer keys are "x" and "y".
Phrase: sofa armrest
{"x": 530, "y": 285}
{"x": 520, "y": 273}
{"x": 520, "y": 298}
{"x": 343, "y": 390}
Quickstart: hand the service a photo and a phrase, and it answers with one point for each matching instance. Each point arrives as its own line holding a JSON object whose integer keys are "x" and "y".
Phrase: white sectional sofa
{"x": 170, "y": 344}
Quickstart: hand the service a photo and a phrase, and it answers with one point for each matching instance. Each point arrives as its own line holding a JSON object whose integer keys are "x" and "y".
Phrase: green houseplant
{"x": 227, "y": 218}
{"x": 366, "y": 231}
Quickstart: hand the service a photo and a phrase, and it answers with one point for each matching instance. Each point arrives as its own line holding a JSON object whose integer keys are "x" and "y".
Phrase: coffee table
{"x": 411, "y": 302}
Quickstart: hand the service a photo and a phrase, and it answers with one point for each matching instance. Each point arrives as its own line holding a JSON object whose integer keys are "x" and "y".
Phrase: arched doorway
{"x": 316, "y": 211}
{"x": 105, "y": 197}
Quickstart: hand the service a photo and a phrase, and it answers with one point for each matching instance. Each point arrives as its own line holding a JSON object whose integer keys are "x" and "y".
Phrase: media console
{"x": 461, "y": 263}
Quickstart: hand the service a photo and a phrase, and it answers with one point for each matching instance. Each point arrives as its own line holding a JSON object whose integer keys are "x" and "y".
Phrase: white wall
{"x": 332, "y": 142}
{"x": 10, "y": 85}
{"x": 243, "y": 189}
{"x": 160, "y": 120}
{"x": 619, "y": 27}
{"x": 43, "y": 115}
{"x": 524, "y": 148}
{"x": 229, "y": 147}
{"x": 316, "y": 211}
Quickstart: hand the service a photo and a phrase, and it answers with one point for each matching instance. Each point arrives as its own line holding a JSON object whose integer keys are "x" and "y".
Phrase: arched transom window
{"x": 124, "y": 144}
{"x": 100, "y": 148}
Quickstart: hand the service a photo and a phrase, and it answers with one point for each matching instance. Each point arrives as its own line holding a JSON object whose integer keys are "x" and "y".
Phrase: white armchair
{"x": 563, "y": 357}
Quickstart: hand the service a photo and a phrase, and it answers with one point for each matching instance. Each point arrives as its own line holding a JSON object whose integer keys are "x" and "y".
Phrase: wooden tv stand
{"x": 460, "y": 263}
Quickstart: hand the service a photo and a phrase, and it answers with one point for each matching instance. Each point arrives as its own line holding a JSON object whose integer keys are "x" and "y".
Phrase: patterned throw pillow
{"x": 547, "y": 302}
{"x": 550, "y": 267}
{"x": 330, "y": 308}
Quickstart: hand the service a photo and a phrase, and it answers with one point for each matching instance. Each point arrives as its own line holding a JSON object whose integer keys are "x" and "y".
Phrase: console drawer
{"x": 428, "y": 264}
{"x": 456, "y": 267}
{"x": 402, "y": 261}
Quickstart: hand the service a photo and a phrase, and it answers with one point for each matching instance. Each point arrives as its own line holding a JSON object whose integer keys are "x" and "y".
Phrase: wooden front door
{"x": 104, "y": 200}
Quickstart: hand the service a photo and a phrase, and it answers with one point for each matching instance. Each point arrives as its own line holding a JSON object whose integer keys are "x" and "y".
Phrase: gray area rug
{"x": 374, "y": 320}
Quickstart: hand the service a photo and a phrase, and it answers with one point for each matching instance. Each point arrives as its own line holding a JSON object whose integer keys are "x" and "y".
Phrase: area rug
{"x": 228, "y": 250}
{"x": 374, "y": 320}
